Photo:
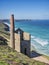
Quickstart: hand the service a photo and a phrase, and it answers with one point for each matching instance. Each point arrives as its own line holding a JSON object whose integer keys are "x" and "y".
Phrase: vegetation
{"x": 8, "y": 55}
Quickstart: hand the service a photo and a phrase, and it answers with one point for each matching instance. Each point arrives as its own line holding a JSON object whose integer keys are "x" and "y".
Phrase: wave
{"x": 32, "y": 37}
{"x": 7, "y": 24}
{"x": 39, "y": 40}
{"x": 15, "y": 28}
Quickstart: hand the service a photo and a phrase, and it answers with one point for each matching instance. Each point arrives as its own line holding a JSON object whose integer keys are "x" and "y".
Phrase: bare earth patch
{"x": 41, "y": 59}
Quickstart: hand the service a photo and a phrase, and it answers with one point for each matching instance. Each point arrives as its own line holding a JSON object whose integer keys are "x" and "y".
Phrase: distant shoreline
{"x": 19, "y": 20}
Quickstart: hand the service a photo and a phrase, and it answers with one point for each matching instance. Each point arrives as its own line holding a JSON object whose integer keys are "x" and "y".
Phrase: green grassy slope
{"x": 8, "y": 55}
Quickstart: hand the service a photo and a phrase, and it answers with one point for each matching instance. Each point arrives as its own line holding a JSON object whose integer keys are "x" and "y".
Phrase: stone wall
{"x": 21, "y": 45}
{"x": 17, "y": 42}
{"x": 25, "y": 44}
{"x": 26, "y": 36}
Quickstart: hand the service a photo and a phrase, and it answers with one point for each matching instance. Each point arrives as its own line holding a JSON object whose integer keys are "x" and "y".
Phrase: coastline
{"x": 7, "y": 24}
{"x": 40, "y": 42}
{"x": 41, "y": 57}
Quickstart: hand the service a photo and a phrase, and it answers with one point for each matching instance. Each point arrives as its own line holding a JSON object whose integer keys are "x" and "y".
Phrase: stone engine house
{"x": 19, "y": 40}
{"x": 22, "y": 42}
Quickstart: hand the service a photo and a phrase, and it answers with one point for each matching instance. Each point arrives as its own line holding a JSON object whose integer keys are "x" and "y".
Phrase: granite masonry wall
{"x": 23, "y": 46}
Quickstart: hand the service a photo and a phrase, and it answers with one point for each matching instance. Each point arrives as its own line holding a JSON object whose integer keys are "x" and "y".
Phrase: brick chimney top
{"x": 12, "y": 15}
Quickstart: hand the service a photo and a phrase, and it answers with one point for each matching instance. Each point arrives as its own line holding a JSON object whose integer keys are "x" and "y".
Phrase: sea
{"x": 39, "y": 30}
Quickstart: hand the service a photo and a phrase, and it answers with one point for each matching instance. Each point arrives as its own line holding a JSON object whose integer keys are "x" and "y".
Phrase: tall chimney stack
{"x": 12, "y": 36}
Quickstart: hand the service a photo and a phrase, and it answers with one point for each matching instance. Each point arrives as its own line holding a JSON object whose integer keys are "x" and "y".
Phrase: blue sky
{"x": 24, "y": 9}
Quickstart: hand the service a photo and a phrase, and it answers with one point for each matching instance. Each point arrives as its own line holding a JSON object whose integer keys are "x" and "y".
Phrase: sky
{"x": 24, "y": 9}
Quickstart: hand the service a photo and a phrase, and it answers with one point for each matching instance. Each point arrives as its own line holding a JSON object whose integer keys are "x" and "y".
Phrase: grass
{"x": 7, "y": 54}
{"x": 3, "y": 63}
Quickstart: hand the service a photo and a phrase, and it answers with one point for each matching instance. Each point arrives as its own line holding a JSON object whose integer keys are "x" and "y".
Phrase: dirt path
{"x": 42, "y": 59}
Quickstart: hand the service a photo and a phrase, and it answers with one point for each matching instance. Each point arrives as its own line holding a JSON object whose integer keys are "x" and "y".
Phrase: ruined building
{"x": 19, "y": 40}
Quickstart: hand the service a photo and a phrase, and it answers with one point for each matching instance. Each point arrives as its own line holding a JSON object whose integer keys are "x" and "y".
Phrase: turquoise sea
{"x": 39, "y": 30}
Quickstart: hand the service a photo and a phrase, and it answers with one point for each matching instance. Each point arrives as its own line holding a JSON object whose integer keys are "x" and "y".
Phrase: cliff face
{"x": 4, "y": 27}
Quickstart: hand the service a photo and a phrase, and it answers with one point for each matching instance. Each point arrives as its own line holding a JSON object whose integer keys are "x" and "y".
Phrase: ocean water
{"x": 39, "y": 30}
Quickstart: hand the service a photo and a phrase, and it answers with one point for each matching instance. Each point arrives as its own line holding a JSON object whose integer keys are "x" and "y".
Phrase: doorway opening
{"x": 25, "y": 51}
